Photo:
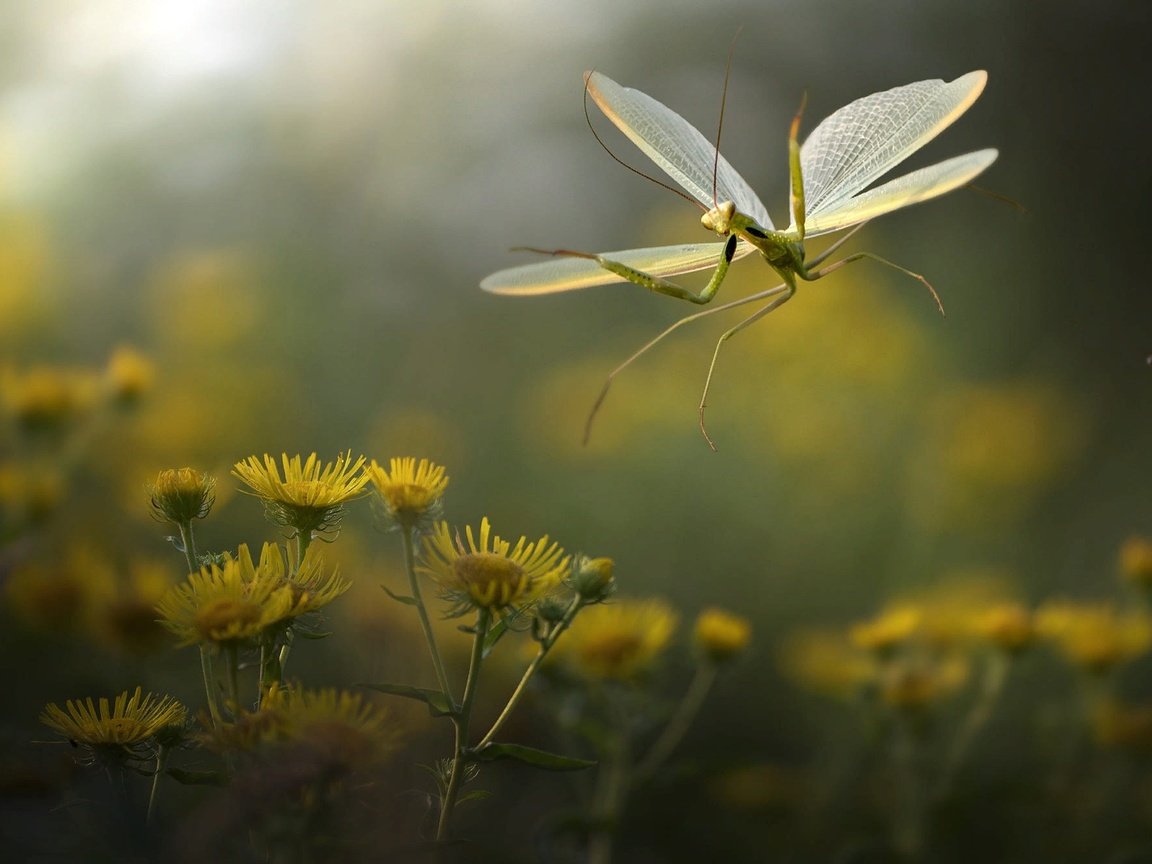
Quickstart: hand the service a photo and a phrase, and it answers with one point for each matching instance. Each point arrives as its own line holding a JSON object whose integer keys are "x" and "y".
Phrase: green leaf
{"x": 439, "y": 705}
{"x": 399, "y": 598}
{"x": 530, "y": 756}
{"x": 198, "y": 778}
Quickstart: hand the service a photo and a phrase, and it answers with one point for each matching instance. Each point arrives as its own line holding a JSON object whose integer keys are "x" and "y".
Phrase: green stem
{"x": 233, "y": 678}
{"x": 521, "y": 688}
{"x": 303, "y": 541}
{"x": 422, "y": 611}
{"x": 209, "y": 684}
{"x": 681, "y": 720}
{"x": 460, "y": 720}
{"x": 161, "y": 762}
{"x": 188, "y": 541}
{"x": 611, "y": 790}
{"x": 282, "y": 657}
{"x": 978, "y": 716}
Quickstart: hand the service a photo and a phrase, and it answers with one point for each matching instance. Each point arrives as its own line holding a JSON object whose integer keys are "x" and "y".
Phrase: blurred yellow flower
{"x": 721, "y": 635}
{"x": 411, "y": 491}
{"x": 1136, "y": 561}
{"x": 617, "y": 641}
{"x": 311, "y": 495}
{"x": 914, "y": 684}
{"x": 826, "y": 662}
{"x": 1116, "y": 724}
{"x": 123, "y": 614}
{"x": 129, "y": 375}
{"x": 180, "y": 495}
{"x": 488, "y": 572}
{"x": 28, "y": 495}
{"x": 1008, "y": 626}
{"x": 131, "y": 721}
{"x": 1095, "y": 636}
{"x": 339, "y": 725}
{"x": 47, "y": 399}
{"x": 893, "y": 627}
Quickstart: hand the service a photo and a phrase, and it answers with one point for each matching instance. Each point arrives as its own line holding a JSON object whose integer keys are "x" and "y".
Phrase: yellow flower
{"x": 47, "y": 398}
{"x": 124, "y": 612}
{"x": 617, "y": 641}
{"x": 337, "y": 724}
{"x": 722, "y": 635}
{"x": 311, "y": 496}
{"x": 913, "y": 685}
{"x": 131, "y": 723}
{"x": 1008, "y": 626}
{"x": 488, "y": 572}
{"x": 826, "y": 662}
{"x": 593, "y": 579}
{"x": 894, "y": 626}
{"x": 129, "y": 375}
{"x": 230, "y": 603}
{"x": 312, "y": 588}
{"x": 28, "y": 496}
{"x": 410, "y": 491}
{"x": 1136, "y": 561}
{"x": 1095, "y": 636}
{"x": 180, "y": 495}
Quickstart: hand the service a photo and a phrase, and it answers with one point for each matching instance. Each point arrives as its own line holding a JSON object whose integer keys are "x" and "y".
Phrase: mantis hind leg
{"x": 656, "y": 283}
{"x": 667, "y": 331}
{"x": 857, "y": 256}
{"x": 790, "y": 289}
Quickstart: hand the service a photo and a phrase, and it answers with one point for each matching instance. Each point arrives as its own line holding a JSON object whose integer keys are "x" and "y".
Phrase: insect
{"x": 829, "y": 175}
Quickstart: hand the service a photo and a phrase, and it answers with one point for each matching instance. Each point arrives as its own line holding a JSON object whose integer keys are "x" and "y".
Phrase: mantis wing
{"x": 868, "y": 137}
{"x": 909, "y": 189}
{"x": 568, "y": 273}
{"x": 676, "y": 146}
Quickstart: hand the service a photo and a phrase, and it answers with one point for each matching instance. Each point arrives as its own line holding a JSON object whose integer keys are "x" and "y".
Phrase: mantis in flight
{"x": 829, "y": 174}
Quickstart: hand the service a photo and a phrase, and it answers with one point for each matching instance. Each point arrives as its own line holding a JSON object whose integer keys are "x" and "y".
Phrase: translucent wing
{"x": 676, "y": 146}
{"x": 868, "y": 137}
{"x": 569, "y": 273}
{"x": 911, "y": 188}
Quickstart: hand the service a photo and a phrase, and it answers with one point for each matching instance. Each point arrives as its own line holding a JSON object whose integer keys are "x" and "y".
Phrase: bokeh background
{"x": 286, "y": 209}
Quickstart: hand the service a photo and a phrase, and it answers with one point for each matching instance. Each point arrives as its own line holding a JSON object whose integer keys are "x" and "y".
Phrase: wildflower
{"x": 130, "y": 726}
{"x": 489, "y": 572}
{"x": 180, "y": 495}
{"x": 916, "y": 685}
{"x": 891, "y": 628}
{"x": 335, "y": 724}
{"x": 311, "y": 587}
{"x": 1136, "y": 561}
{"x": 124, "y": 615}
{"x": 1008, "y": 626}
{"x": 47, "y": 399}
{"x": 311, "y": 496}
{"x": 411, "y": 491}
{"x": 593, "y": 578}
{"x": 129, "y": 375}
{"x": 28, "y": 496}
{"x": 229, "y": 603}
{"x": 1119, "y": 725}
{"x": 617, "y": 641}
{"x": 826, "y": 662}
{"x": 720, "y": 635}
{"x": 1094, "y": 636}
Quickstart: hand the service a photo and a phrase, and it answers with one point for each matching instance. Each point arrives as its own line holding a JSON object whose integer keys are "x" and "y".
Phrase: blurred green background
{"x": 287, "y": 207}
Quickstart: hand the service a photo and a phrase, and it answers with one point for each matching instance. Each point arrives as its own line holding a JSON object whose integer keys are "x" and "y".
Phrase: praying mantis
{"x": 829, "y": 175}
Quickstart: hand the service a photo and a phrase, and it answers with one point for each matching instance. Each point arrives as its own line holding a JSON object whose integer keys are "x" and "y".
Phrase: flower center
{"x": 226, "y": 617}
{"x": 491, "y": 580}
